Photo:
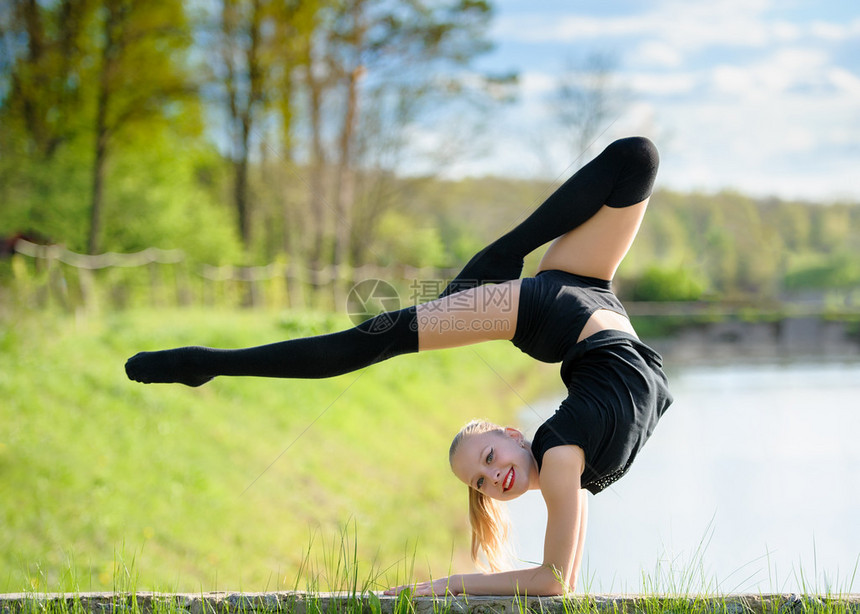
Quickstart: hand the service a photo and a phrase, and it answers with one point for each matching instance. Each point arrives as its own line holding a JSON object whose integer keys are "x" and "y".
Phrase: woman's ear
{"x": 514, "y": 434}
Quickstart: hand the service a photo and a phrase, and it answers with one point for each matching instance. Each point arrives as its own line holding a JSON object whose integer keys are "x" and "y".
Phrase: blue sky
{"x": 762, "y": 96}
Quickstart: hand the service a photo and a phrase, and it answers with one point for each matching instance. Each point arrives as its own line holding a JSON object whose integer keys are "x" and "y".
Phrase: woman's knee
{"x": 636, "y": 150}
{"x": 637, "y": 160}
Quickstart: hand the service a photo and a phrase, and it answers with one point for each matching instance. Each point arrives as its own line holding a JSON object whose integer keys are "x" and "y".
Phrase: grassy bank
{"x": 232, "y": 485}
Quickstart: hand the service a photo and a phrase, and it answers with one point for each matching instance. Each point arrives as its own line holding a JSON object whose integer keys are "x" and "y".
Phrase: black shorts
{"x": 554, "y": 307}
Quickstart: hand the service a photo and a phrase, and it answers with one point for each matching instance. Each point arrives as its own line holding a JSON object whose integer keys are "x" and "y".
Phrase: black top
{"x": 617, "y": 390}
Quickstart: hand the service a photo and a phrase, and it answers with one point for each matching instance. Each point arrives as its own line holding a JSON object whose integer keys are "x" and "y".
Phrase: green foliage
{"x": 667, "y": 284}
{"x": 156, "y": 199}
{"x": 105, "y": 88}
{"x": 839, "y": 270}
{"x": 739, "y": 248}
{"x": 47, "y": 196}
{"x": 402, "y": 241}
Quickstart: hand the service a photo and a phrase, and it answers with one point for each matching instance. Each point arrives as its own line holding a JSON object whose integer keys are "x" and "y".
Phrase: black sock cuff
{"x": 393, "y": 332}
{"x": 638, "y": 161}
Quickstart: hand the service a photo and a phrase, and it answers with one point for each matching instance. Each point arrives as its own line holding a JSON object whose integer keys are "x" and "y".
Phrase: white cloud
{"x": 828, "y": 31}
{"x": 671, "y": 28}
{"x": 791, "y": 147}
{"x": 678, "y": 25}
{"x": 845, "y": 82}
{"x": 657, "y": 53}
{"x": 835, "y": 31}
{"x": 565, "y": 29}
{"x": 735, "y": 94}
{"x": 662, "y": 84}
{"x": 788, "y": 71}
{"x": 786, "y": 32}
{"x": 537, "y": 84}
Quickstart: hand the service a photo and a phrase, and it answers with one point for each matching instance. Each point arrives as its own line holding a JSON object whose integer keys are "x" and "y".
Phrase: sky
{"x": 760, "y": 96}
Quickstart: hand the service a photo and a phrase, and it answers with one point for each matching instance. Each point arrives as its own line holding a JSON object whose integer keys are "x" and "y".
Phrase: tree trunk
{"x": 317, "y": 168}
{"x": 241, "y": 108}
{"x": 240, "y": 198}
{"x": 345, "y": 179}
{"x": 101, "y": 137}
{"x": 96, "y": 202}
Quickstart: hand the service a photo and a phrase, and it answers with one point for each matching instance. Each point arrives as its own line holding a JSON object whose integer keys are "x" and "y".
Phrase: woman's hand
{"x": 431, "y": 588}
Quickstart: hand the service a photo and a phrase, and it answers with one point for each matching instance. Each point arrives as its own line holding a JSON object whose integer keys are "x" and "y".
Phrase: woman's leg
{"x": 597, "y": 247}
{"x": 473, "y": 316}
{"x": 478, "y": 314}
{"x": 620, "y": 176}
{"x": 379, "y": 338}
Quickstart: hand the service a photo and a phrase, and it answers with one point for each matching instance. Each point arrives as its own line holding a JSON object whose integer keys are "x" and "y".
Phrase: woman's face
{"x": 498, "y": 464}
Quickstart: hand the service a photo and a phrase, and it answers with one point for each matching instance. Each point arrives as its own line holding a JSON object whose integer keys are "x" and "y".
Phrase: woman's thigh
{"x": 479, "y": 314}
{"x": 597, "y": 247}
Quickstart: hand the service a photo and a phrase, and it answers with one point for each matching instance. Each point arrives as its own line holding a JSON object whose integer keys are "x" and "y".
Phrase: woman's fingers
{"x": 422, "y": 589}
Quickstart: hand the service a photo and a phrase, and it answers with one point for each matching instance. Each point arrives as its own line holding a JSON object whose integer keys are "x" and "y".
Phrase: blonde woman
{"x": 566, "y": 313}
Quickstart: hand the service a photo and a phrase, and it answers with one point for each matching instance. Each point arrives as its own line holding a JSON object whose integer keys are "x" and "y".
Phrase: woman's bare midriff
{"x": 606, "y": 319}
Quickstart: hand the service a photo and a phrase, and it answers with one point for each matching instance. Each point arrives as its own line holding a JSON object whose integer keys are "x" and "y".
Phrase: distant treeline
{"x": 728, "y": 246}
{"x": 724, "y": 246}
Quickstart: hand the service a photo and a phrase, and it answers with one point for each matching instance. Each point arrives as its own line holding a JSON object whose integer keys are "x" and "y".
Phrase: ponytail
{"x": 488, "y": 517}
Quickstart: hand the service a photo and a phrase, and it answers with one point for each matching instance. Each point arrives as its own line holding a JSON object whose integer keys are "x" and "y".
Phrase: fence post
{"x": 89, "y": 300}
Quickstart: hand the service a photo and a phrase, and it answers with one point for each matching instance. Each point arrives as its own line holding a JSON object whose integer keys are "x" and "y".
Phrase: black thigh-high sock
{"x": 384, "y": 336}
{"x": 621, "y": 175}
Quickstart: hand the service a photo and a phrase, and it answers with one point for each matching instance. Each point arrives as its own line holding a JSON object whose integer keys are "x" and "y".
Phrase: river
{"x": 751, "y": 483}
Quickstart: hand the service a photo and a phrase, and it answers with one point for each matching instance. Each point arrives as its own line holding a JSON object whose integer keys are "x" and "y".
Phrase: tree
{"x": 260, "y": 44}
{"x": 316, "y": 83}
{"x": 375, "y": 63}
{"x": 43, "y": 112}
{"x": 244, "y": 74}
{"x": 86, "y": 70}
{"x": 587, "y": 100}
{"x": 44, "y": 69}
{"x": 139, "y": 74}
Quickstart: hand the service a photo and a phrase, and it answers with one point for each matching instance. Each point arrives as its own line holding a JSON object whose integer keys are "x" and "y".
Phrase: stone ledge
{"x": 372, "y": 603}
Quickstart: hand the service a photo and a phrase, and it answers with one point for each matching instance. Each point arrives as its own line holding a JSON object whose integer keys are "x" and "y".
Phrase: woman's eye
{"x": 490, "y": 457}
{"x": 480, "y": 483}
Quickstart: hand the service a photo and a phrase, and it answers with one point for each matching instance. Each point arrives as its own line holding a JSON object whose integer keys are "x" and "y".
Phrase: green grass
{"x": 235, "y": 484}
{"x": 339, "y": 565}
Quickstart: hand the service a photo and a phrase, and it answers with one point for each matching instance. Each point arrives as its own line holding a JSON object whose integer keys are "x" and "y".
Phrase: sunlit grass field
{"x": 236, "y": 484}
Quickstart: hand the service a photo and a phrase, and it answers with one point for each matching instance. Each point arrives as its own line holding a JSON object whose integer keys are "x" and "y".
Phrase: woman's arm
{"x": 565, "y": 502}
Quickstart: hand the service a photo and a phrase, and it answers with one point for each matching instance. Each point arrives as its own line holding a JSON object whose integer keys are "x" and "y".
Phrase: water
{"x": 751, "y": 483}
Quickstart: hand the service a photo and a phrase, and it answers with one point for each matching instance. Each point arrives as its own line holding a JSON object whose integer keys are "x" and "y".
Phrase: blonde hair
{"x": 488, "y": 517}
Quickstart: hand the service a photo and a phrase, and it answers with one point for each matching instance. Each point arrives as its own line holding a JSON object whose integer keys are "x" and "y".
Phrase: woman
{"x": 566, "y": 313}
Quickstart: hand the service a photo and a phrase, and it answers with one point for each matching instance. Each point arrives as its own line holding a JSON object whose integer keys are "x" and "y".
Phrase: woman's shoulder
{"x": 561, "y": 470}
{"x": 563, "y": 457}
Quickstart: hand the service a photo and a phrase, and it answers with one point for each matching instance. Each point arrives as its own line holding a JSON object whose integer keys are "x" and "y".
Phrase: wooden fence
{"x": 51, "y": 276}
{"x": 39, "y": 277}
